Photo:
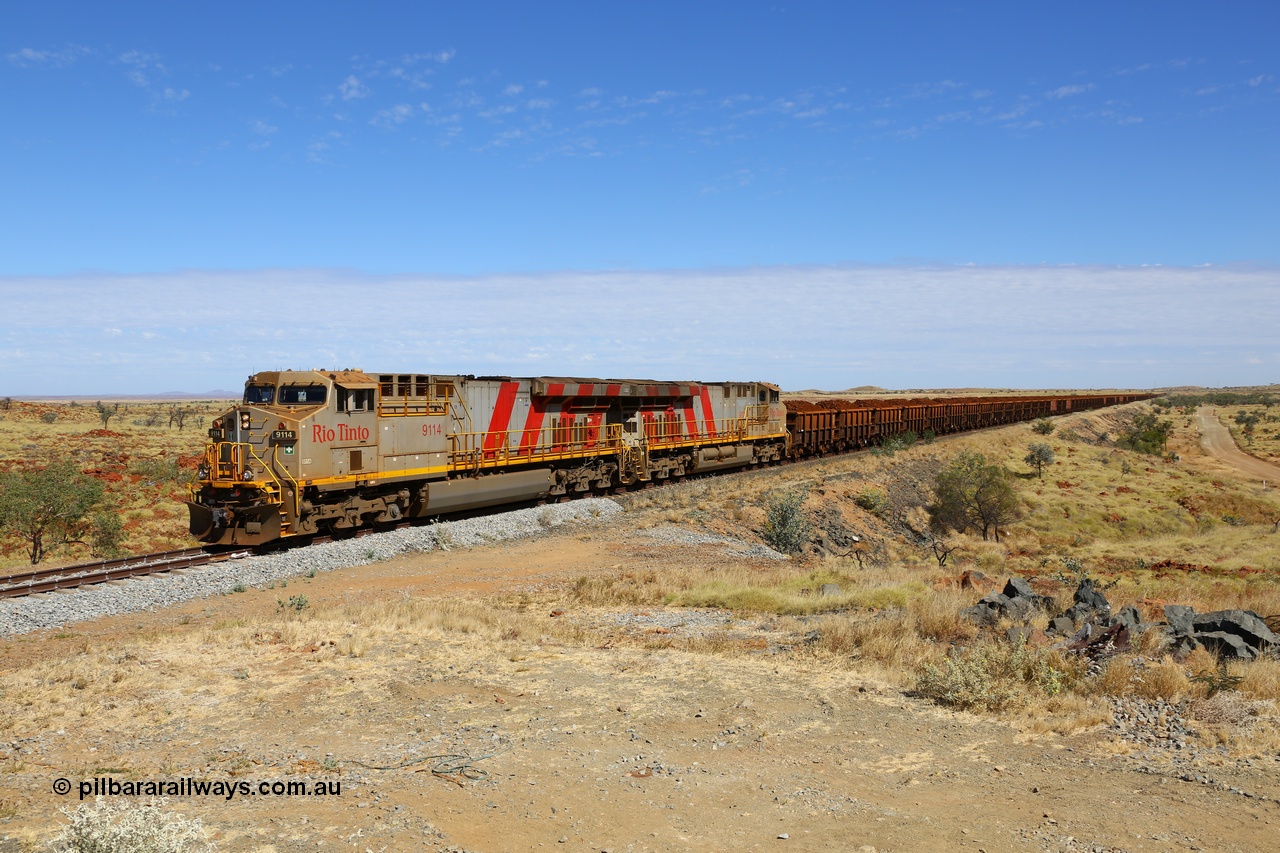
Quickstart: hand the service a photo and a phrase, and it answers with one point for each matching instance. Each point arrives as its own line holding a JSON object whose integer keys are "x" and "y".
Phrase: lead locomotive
{"x": 312, "y": 451}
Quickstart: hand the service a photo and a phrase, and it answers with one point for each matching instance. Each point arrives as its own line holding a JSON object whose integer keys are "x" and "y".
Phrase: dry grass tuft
{"x": 1164, "y": 680}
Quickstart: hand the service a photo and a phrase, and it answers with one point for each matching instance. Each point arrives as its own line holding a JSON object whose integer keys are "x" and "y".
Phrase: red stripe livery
{"x": 497, "y": 434}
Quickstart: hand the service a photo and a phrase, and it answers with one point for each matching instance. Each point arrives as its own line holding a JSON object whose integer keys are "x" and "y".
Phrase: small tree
{"x": 1042, "y": 427}
{"x": 1040, "y": 456}
{"x": 974, "y": 492}
{"x": 105, "y": 412}
{"x": 178, "y": 416}
{"x": 1148, "y": 434}
{"x": 785, "y": 527}
{"x": 49, "y": 508}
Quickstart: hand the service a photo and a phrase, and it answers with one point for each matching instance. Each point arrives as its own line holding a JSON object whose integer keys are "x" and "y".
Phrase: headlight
{"x": 244, "y": 420}
{"x": 202, "y": 473}
{"x": 247, "y": 475}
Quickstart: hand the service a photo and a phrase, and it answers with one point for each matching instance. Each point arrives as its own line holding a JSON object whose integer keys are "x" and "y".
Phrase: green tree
{"x": 974, "y": 492}
{"x": 53, "y": 507}
{"x": 1147, "y": 435}
{"x": 1042, "y": 427}
{"x": 1041, "y": 455}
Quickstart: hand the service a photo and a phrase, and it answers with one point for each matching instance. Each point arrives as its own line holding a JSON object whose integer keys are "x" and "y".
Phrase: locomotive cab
{"x": 247, "y": 484}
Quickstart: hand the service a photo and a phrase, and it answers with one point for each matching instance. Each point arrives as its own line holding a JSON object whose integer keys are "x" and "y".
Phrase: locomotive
{"x": 312, "y": 451}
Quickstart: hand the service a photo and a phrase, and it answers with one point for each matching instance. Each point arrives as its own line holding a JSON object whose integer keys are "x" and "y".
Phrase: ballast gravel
{"x": 152, "y": 592}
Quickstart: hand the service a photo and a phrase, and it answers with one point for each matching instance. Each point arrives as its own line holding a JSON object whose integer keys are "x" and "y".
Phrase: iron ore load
{"x": 834, "y": 426}
{"x": 317, "y": 451}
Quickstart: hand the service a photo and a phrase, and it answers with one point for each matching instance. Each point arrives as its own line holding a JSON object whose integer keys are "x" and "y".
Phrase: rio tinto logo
{"x": 321, "y": 434}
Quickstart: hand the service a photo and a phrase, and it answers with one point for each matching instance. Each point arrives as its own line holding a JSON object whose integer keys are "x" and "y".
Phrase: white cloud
{"x": 30, "y": 58}
{"x": 513, "y": 89}
{"x": 352, "y": 88}
{"x": 171, "y": 94}
{"x": 1069, "y": 91}
{"x": 393, "y": 116}
{"x": 905, "y": 327}
{"x": 262, "y": 128}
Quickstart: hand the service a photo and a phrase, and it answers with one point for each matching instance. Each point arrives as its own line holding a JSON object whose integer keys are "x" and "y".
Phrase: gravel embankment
{"x": 152, "y": 592}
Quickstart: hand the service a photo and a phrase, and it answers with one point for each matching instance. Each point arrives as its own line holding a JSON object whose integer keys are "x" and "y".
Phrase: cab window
{"x": 355, "y": 400}
{"x": 302, "y": 395}
{"x": 259, "y": 395}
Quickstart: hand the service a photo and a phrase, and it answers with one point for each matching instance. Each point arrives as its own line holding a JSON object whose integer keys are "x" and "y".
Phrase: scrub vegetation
{"x": 115, "y": 472}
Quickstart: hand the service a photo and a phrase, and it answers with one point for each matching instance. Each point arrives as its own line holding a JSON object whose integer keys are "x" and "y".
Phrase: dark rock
{"x": 1089, "y": 596}
{"x": 1128, "y": 617}
{"x": 1081, "y": 613}
{"x": 973, "y": 579}
{"x": 988, "y": 609}
{"x": 1018, "y": 588}
{"x": 1061, "y": 625}
{"x": 1180, "y": 619}
{"x": 1244, "y": 624}
{"x": 1020, "y": 607}
{"x": 1018, "y": 636}
{"x": 1082, "y": 636}
{"x": 1226, "y": 645}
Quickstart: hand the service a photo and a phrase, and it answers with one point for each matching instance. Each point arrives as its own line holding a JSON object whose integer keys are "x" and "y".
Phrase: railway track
{"x": 104, "y": 571}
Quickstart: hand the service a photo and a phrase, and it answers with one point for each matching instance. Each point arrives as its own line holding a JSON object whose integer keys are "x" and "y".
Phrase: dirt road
{"x": 1217, "y": 441}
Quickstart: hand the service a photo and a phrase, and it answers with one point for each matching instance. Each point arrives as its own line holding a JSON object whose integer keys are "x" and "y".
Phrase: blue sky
{"x": 742, "y": 155}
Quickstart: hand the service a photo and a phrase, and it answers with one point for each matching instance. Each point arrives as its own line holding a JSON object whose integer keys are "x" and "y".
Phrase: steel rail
{"x": 104, "y": 571}
{"x": 97, "y": 565}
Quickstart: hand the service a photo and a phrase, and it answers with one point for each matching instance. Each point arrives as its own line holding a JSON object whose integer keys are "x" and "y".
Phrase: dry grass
{"x": 1159, "y": 532}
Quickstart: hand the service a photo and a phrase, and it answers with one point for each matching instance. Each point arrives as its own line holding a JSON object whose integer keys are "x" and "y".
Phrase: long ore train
{"x": 312, "y": 451}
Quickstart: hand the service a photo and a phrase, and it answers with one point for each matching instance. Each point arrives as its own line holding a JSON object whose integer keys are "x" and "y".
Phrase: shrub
{"x": 1042, "y": 427}
{"x": 296, "y": 603}
{"x": 49, "y": 417}
{"x": 126, "y": 827}
{"x": 873, "y": 500}
{"x": 894, "y": 443}
{"x": 157, "y": 470}
{"x": 786, "y": 528}
{"x": 994, "y": 677}
{"x": 1147, "y": 435}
